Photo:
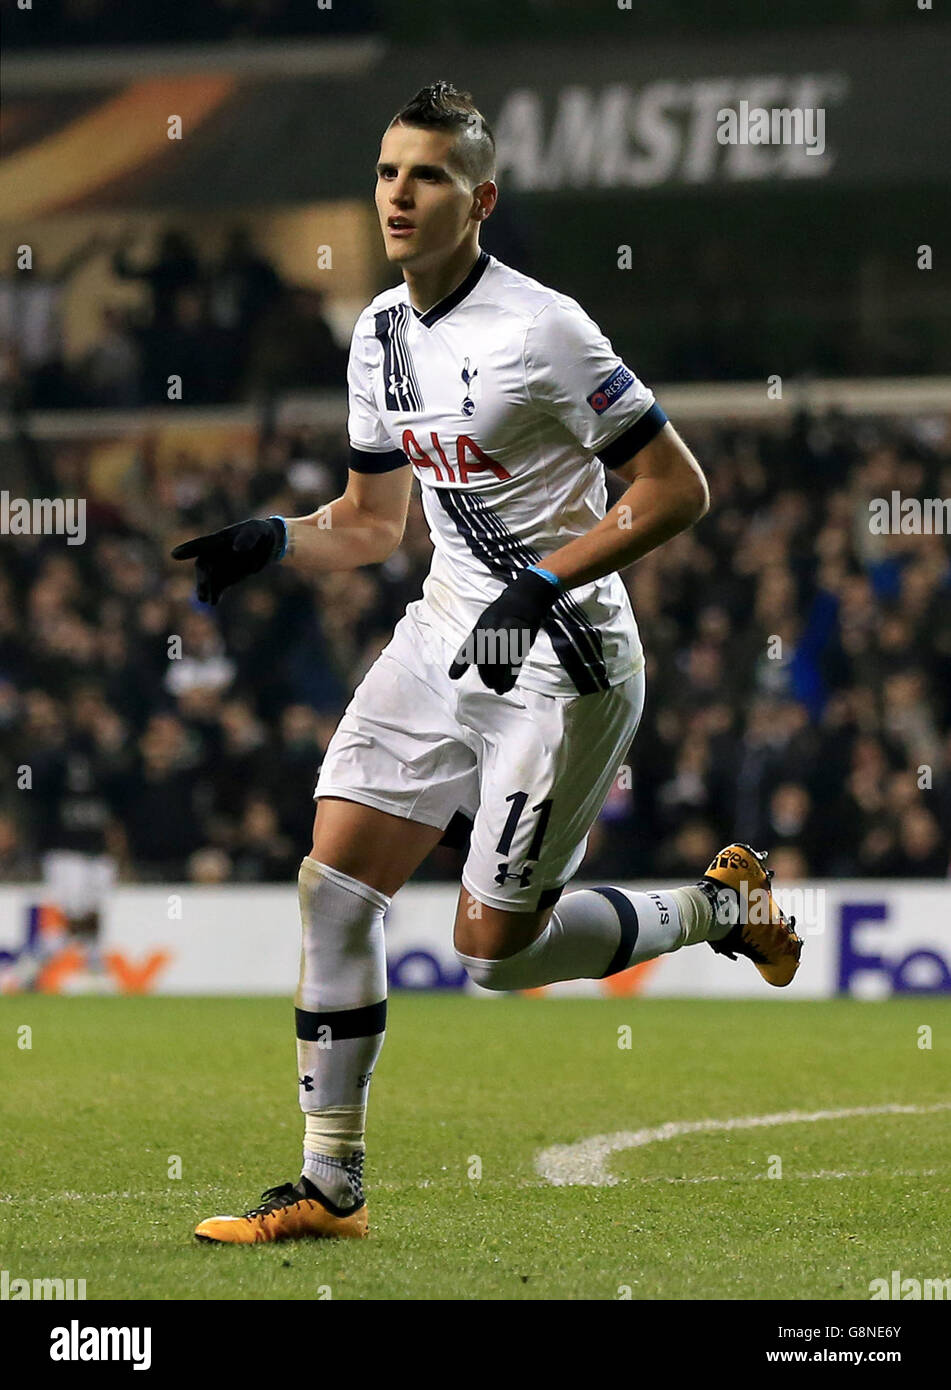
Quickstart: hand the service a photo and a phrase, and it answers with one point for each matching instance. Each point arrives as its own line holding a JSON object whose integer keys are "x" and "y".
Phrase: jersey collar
{"x": 446, "y": 305}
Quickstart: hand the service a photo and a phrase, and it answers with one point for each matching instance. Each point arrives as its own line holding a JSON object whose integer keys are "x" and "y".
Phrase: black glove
{"x": 224, "y": 557}
{"x": 502, "y": 638}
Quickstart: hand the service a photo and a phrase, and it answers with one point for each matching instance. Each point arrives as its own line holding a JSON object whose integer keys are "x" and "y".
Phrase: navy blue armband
{"x": 362, "y": 461}
{"x": 617, "y": 453}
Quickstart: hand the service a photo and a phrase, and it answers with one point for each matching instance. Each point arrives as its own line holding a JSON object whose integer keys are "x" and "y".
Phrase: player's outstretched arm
{"x": 667, "y": 494}
{"x": 363, "y": 527}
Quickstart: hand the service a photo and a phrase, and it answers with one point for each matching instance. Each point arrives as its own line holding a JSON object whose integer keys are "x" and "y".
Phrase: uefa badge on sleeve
{"x": 608, "y": 392}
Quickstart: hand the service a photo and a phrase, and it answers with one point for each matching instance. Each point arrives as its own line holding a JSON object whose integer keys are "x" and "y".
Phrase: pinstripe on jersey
{"x": 399, "y": 378}
{"x": 577, "y": 644}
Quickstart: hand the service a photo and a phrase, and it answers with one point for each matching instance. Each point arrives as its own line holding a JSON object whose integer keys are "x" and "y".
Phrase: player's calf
{"x": 597, "y": 932}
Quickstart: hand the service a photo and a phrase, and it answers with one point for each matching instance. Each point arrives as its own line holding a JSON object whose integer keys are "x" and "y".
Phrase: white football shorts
{"x": 530, "y": 771}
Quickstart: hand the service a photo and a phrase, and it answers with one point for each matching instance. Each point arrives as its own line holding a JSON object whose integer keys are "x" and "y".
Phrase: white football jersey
{"x": 505, "y": 397}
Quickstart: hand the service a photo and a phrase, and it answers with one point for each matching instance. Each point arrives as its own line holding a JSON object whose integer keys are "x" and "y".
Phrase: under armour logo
{"x": 398, "y": 382}
{"x": 524, "y": 878}
{"x": 307, "y": 1082}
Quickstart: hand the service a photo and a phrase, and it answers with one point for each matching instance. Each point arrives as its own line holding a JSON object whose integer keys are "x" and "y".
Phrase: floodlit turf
{"x": 112, "y": 1090}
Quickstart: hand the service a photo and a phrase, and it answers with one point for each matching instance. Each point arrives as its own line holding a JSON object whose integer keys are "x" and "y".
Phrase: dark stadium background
{"x": 201, "y": 257}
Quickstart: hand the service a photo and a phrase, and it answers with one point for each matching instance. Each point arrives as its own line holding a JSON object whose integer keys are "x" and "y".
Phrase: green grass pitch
{"x": 94, "y": 1113}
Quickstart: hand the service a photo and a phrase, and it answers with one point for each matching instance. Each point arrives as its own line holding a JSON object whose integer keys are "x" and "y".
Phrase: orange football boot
{"x": 765, "y": 937}
{"x": 292, "y": 1211}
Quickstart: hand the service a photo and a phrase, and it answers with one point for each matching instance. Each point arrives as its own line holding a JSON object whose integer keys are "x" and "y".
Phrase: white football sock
{"x": 339, "y": 1179}
{"x": 340, "y": 1006}
{"x": 596, "y": 932}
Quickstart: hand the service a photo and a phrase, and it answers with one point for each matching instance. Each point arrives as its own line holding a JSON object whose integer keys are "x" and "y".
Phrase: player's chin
{"x": 401, "y": 251}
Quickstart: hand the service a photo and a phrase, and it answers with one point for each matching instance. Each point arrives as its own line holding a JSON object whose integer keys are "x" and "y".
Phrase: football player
{"x": 510, "y": 692}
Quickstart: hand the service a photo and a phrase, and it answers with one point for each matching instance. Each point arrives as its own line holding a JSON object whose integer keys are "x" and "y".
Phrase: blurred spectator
{"x": 921, "y": 851}
{"x": 31, "y": 333}
{"x": 788, "y": 862}
{"x": 110, "y": 374}
{"x": 695, "y": 843}
{"x": 228, "y": 329}
{"x": 262, "y": 853}
{"x": 160, "y": 813}
{"x": 186, "y": 346}
{"x": 16, "y": 864}
{"x": 294, "y": 348}
{"x": 791, "y": 822}
{"x": 174, "y": 267}
{"x": 208, "y": 866}
{"x": 242, "y": 288}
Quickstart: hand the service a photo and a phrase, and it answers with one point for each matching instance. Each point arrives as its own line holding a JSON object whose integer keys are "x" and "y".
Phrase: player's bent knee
{"x": 512, "y": 972}
{"x": 495, "y": 932}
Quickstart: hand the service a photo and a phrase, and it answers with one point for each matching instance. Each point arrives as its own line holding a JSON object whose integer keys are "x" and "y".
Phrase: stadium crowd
{"x": 799, "y": 665}
{"x": 230, "y": 328}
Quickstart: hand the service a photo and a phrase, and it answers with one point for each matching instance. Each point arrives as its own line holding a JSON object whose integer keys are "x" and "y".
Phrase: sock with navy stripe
{"x": 340, "y": 1021}
{"x": 596, "y": 932}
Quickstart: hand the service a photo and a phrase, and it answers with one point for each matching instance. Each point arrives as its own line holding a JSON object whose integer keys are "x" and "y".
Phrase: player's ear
{"x": 485, "y": 196}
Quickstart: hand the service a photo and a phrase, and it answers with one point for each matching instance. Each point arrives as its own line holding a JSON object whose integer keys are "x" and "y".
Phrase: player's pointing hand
{"x": 224, "y": 557}
{"x": 503, "y": 636}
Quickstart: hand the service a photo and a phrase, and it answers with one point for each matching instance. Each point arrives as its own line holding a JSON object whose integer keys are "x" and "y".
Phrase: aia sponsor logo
{"x": 469, "y": 458}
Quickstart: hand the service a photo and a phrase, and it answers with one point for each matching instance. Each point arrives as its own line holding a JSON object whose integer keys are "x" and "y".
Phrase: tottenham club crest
{"x": 469, "y": 374}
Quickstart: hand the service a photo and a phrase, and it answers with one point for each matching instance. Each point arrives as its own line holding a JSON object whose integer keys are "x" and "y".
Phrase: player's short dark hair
{"x": 441, "y": 106}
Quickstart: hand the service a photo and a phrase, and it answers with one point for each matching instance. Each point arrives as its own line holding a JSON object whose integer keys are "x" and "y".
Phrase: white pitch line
{"x": 584, "y": 1164}
{"x": 508, "y": 1183}
{"x": 800, "y": 1177}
